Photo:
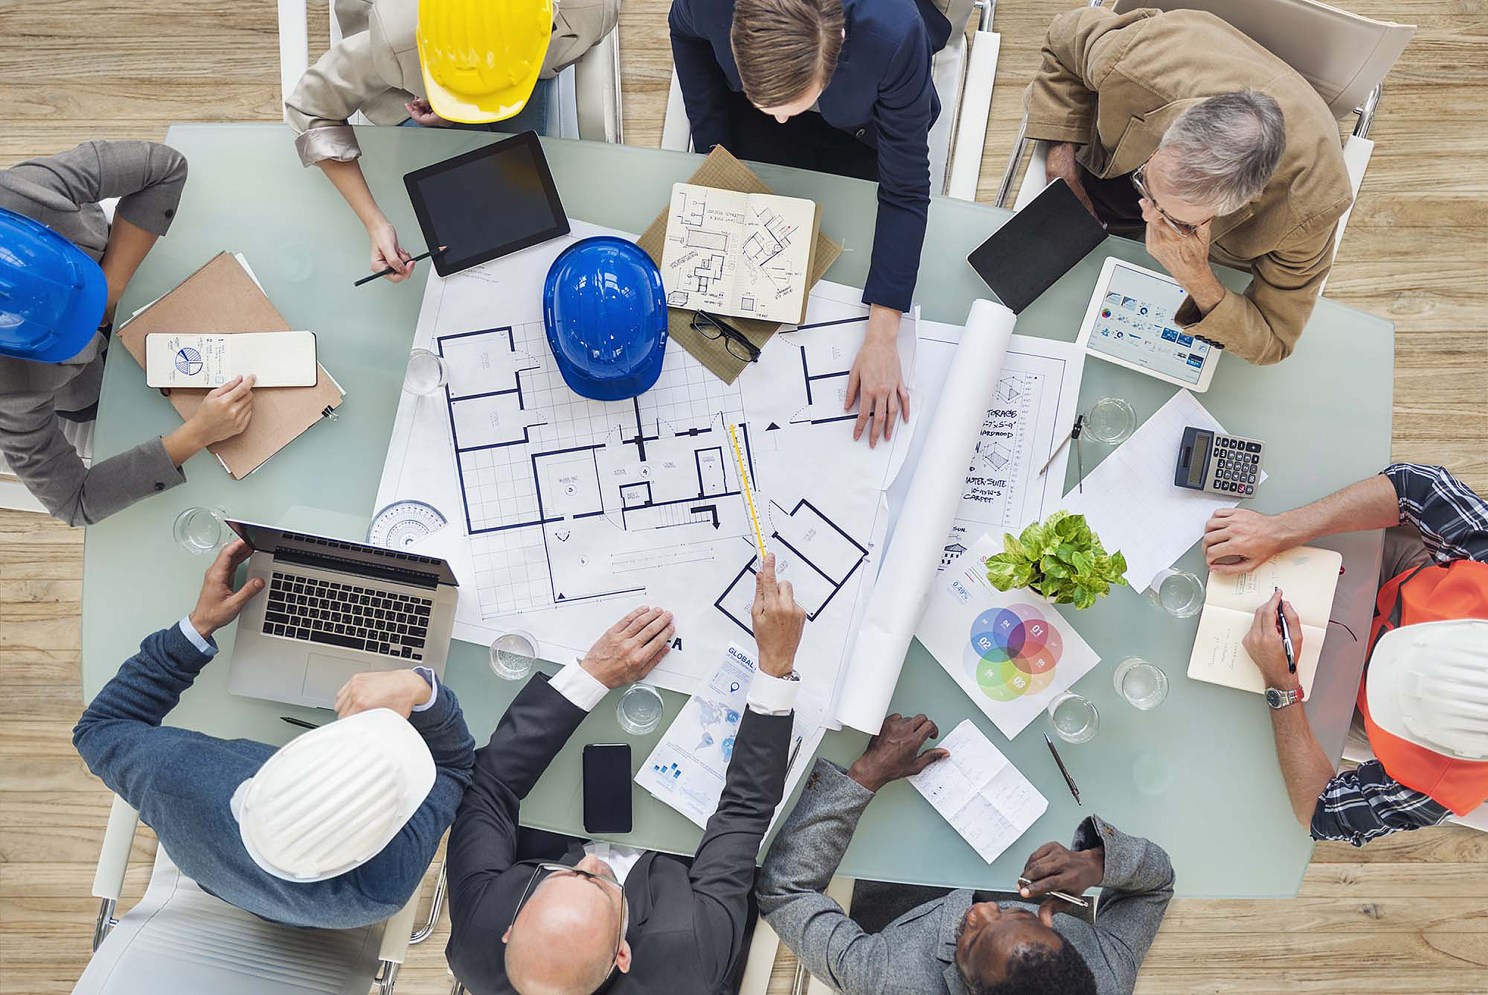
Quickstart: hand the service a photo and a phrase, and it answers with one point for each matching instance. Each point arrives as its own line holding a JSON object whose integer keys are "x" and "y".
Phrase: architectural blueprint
{"x": 565, "y": 513}
{"x": 739, "y": 254}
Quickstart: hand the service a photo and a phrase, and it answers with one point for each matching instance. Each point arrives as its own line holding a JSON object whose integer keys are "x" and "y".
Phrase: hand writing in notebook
{"x": 1264, "y": 643}
{"x": 1236, "y": 540}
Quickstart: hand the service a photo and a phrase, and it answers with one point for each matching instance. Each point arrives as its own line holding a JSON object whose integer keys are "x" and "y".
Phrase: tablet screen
{"x": 1135, "y": 324}
{"x": 487, "y": 203}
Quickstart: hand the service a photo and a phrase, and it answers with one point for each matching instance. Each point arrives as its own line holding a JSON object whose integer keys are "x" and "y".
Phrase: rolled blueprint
{"x": 913, "y": 556}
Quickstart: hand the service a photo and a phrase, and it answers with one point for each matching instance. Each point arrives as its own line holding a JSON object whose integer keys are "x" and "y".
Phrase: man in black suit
{"x": 603, "y": 917}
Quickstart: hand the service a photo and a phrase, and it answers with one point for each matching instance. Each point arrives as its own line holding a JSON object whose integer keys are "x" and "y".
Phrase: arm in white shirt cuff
{"x": 579, "y": 686}
{"x": 432, "y": 680}
{"x": 772, "y": 695}
{"x": 197, "y": 639}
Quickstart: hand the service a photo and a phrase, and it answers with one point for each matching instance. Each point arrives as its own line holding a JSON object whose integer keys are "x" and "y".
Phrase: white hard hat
{"x": 1428, "y": 684}
{"x": 332, "y": 798}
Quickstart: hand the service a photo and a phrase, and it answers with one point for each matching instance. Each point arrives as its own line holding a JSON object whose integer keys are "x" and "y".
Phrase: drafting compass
{"x": 1074, "y": 436}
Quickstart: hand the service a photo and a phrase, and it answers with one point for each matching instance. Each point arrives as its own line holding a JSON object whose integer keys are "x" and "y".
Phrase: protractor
{"x": 404, "y": 523}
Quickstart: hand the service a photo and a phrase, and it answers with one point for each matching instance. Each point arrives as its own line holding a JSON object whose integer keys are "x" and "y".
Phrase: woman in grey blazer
{"x": 36, "y": 398}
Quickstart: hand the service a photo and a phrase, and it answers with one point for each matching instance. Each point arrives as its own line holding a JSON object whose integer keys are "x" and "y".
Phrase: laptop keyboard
{"x": 358, "y": 618}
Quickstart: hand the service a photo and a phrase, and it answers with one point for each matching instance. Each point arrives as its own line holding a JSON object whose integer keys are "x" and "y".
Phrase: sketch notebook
{"x": 1307, "y": 576}
{"x": 722, "y": 171}
{"x": 223, "y": 298}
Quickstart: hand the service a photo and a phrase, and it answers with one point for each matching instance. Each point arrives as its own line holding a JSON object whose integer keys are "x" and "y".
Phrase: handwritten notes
{"x": 980, "y": 793}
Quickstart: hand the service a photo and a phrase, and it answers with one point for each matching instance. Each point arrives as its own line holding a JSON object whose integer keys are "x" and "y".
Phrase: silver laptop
{"x": 332, "y": 608}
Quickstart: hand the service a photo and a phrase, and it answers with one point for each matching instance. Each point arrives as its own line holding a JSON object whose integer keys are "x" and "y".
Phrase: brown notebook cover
{"x": 222, "y": 298}
{"x": 723, "y": 171}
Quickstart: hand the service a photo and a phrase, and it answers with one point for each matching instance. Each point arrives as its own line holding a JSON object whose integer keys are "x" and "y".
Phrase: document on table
{"x": 1131, "y": 502}
{"x": 980, "y": 793}
{"x": 688, "y": 767}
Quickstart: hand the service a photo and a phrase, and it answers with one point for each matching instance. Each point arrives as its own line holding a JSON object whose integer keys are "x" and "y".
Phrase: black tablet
{"x": 1036, "y": 247}
{"x": 486, "y": 203}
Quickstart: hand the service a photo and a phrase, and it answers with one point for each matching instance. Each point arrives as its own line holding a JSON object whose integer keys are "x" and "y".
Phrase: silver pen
{"x": 1060, "y": 895}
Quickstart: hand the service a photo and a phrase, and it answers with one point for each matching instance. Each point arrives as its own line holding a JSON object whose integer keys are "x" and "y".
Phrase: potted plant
{"x": 1059, "y": 558}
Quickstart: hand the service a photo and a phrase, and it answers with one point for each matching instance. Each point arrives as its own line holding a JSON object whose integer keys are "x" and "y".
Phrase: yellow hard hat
{"x": 481, "y": 57}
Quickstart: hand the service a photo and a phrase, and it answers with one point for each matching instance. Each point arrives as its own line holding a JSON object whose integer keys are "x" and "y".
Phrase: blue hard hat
{"x": 606, "y": 317}
{"x": 52, "y": 295}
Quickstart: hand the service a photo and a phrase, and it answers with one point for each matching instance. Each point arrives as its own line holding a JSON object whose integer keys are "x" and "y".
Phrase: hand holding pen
{"x": 1059, "y": 872}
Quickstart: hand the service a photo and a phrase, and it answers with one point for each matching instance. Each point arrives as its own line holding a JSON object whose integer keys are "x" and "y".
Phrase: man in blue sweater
{"x": 335, "y": 830}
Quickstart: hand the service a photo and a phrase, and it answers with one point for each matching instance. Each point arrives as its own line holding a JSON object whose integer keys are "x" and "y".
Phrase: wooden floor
{"x": 1408, "y": 914}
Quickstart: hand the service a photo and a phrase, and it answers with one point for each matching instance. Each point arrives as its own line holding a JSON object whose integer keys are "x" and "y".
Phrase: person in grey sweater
{"x": 960, "y": 944}
{"x": 37, "y": 398}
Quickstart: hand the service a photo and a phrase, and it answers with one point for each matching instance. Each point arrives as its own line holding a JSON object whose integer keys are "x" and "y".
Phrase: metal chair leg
{"x": 1366, "y": 112}
{"x": 105, "y": 923}
{"x": 387, "y": 977}
{"x": 1009, "y": 174}
{"x": 458, "y": 989}
{"x": 436, "y": 904}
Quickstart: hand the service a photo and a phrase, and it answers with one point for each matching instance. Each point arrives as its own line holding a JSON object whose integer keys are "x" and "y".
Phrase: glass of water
{"x": 202, "y": 530}
{"x": 1144, "y": 685}
{"x": 512, "y": 655}
{"x": 1111, "y": 420}
{"x": 1177, "y": 592}
{"x": 639, "y": 711}
{"x": 427, "y": 372}
{"x": 1074, "y": 717}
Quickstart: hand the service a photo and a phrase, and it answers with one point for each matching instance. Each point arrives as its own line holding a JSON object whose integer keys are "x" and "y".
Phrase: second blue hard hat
{"x": 606, "y": 318}
{"x": 52, "y": 294}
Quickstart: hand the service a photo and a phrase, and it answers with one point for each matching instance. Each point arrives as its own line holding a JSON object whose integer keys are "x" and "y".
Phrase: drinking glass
{"x": 1144, "y": 685}
{"x": 512, "y": 655}
{"x": 639, "y": 711}
{"x": 202, "y": 530}
{"x": 427, "y": 372}
{"x": 1074, "y": 717}
{"x": 1111, "y": 420}
{"x": 1177, "y": 592}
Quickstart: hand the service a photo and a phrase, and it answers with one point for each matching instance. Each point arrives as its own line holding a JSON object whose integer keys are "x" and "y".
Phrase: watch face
{"x": 1275, "y": 698}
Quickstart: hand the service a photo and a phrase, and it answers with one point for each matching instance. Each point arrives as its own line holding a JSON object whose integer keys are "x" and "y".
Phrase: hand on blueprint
{"x": 631, "y": 648}
{"x": 876, "y": 380}
{"x": 1237, "y": 540}
{"x": 400, "y": 690}
{"x": 1055, "y": 867}
{"x": 895, "y": 751}
{"x": 778, "y": 621}
{"x": 1264, "y": 643}
{"x": 218, "y": 604}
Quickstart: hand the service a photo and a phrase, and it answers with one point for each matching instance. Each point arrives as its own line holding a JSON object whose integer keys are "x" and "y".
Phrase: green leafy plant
{"x": 1060, "y": 558}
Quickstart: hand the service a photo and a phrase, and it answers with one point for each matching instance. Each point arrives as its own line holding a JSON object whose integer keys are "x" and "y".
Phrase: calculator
{"x": 1219, "y": 464}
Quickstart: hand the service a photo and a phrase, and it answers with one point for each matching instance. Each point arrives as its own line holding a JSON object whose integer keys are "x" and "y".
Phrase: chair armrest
{"x": 597, "y": 89}
{"x": 676, "y": 129}
{"x": 113, "y": 857}
{"x": 396, "y": 932}
{"x": 294, "y": 46}
{"x": 971, "y": 119}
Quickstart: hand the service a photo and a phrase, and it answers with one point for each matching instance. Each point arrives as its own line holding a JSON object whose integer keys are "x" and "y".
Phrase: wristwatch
{"x": 1277, "y": 698}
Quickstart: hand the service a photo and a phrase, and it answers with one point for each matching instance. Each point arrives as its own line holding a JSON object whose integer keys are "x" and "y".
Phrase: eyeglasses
{"x": 735, "y": 341}
{"x": 545, "y": 872}
{"x": 1183, "y": 228}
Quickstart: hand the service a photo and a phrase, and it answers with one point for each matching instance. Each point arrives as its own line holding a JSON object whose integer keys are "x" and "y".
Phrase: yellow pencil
{"x": 759, "y": 537}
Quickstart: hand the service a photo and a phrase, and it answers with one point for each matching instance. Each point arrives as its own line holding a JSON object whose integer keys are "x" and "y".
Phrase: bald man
{"x": 536, "y": 914}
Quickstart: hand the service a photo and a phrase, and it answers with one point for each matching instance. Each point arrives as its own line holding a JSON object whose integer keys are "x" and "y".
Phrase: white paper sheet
{"x": 1130, "y": 499}
{"x": 934, "y": 492}
{"x": 980, "y": 793}
{"x": 1010, "y": 651}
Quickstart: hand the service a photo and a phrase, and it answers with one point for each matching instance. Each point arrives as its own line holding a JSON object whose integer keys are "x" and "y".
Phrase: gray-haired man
{"x": 1177, "y": 126}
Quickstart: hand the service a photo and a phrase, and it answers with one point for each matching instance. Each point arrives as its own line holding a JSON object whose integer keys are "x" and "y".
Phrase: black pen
{"x": 382, "y": 273}
{"x": 1286, "y": 636}
{"x": 1074, "y": 788}
{"x": 298, "y": 722}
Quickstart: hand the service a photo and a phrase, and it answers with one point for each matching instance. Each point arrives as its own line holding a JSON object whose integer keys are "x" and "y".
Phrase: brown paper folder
{"x": 222, "y": 298}
{"x": 722, "y": 171}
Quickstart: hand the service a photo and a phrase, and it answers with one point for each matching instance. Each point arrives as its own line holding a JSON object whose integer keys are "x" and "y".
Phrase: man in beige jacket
{"x": 1210, "y": 146}
{"x": 376, "y": 70}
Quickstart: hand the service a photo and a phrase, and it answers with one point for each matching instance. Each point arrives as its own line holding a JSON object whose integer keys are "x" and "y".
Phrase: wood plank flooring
{"x": 1408, "y": 914}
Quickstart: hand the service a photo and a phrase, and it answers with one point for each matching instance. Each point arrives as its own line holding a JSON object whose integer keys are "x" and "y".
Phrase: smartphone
{"x": 607, "y": 788}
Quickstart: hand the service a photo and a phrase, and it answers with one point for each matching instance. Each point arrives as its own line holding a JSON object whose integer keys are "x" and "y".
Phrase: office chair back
{"x": 1344, "y": 56}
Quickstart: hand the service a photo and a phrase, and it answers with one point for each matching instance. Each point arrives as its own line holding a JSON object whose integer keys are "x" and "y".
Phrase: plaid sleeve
{"x": 1452, "y": 519}
{"x": 1366, "y": 803}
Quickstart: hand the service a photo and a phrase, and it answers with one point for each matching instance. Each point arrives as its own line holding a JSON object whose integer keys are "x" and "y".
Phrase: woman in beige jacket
{"x": 376, "y": 70}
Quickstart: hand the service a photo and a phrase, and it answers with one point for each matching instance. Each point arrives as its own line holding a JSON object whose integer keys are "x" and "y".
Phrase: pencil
{"x": 382, "y": 273}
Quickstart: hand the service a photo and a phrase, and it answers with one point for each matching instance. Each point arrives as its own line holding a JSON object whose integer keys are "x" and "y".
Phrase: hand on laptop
{"x": 400, "y": 690}
{"x": 631, "y": 648}
{"x": 218, "y": 604}
{"x": 778, "y": 621}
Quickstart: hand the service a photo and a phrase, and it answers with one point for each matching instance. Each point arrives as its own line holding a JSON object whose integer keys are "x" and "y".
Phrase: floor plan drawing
{"x": 738, "y": 254}
{"x": 565, "y": 512}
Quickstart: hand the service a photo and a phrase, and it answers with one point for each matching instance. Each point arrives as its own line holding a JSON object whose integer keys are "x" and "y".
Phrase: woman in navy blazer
{"x": 839, "y": 86}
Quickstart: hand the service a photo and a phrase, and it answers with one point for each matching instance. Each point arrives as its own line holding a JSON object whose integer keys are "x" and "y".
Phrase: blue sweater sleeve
{"x": 903, "y": 114}
{"x": 704, "y": 87}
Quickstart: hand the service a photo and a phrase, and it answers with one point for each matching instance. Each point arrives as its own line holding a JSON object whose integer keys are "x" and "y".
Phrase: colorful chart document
{"x": 980, "y": 793}
{"x": 1010, "y": 651}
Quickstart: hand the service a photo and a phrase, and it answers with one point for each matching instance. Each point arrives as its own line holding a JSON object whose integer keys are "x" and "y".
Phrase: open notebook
{"x": 1307, "y": 577}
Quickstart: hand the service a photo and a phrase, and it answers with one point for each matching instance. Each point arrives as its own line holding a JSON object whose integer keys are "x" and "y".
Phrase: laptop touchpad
{"x": 324, "y": 677}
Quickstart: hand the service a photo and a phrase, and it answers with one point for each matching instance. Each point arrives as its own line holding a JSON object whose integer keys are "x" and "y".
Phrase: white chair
{"x": 963, "y": 72}
{"x": 181, "y": 939}
{"x": 1356, "y": 749}
{"x": 587, "y": 93}
{"x": 1344, "y": 56}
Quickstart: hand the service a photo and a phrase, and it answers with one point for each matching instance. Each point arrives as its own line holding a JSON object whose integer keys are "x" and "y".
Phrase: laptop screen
{"x": 347, "y": 557}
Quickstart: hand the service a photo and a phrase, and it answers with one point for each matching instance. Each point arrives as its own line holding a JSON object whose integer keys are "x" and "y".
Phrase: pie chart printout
{"x": 1012, "y": 652}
